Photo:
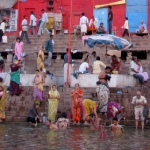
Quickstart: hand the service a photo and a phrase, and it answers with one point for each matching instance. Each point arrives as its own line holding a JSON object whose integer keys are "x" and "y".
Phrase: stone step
{"x": 18, "y": 106}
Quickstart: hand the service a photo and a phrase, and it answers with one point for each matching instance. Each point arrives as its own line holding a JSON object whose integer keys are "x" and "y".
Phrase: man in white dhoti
{"x": 83, "y": 24}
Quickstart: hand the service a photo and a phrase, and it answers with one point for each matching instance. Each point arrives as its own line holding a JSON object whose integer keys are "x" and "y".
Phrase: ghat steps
{"x": 61, "y": 43}
{"x": 18, "y": 106}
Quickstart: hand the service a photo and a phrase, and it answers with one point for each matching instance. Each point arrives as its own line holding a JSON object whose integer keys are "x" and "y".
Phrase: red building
{"x": 79, "y": 6}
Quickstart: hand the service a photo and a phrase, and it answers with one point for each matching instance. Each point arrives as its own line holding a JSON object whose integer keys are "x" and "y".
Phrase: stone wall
{"x": 18, "y": 106}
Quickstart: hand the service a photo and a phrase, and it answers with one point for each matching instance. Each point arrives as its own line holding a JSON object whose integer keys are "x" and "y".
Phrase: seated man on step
{"x": 134, "y": 70}
{"x": 142, "y": 28}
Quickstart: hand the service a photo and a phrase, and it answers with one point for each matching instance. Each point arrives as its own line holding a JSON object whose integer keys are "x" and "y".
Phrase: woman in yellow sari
{"x": 88, "y": 106}
{"x": 40, "y": 59}
{"x": 54, "y": 96}
{"x": 2, "y": 101}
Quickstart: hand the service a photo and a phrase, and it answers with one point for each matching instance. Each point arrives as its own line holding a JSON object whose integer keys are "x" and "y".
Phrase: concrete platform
{"x": 27, "y": 79}
{"x": 89, "y": 80}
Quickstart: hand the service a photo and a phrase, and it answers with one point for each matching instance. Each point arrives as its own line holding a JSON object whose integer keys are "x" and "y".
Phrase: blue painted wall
{"x": 136, "y": 10}
{"x": 101, "y": 15}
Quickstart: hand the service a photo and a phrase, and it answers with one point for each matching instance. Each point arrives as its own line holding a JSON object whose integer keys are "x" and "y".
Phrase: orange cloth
{"x": 76, "y": 107}
{"x": 90, "y": 29}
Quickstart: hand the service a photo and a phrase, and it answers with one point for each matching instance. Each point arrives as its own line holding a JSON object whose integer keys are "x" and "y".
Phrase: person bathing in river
{"x": 94, "y": 121}
{"x": 63, "y": 122}
{"x": 116, "y": 128}
{"x": 88, "y": 107}
{"x": 33, "y": 116}
{"x": 51, "y": 125}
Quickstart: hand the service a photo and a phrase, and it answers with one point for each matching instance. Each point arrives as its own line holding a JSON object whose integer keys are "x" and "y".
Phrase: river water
{"x": 24, "y": 137}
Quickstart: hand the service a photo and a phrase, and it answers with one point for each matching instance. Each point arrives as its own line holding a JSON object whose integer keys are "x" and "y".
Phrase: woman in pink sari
{"x": 19, "y": 48}
{"x": 19, "y": 53}
{"x": 144, "y": 74}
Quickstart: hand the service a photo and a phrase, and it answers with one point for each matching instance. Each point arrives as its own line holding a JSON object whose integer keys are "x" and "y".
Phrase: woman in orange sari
{"x": 76, "y": 95}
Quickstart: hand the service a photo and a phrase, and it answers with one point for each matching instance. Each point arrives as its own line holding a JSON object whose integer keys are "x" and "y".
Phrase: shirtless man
{"x": 51, "y": 125}
{"x": 94, "y": 122}
{"x": 116, "y": 128}
{"x": 102, "y": 76}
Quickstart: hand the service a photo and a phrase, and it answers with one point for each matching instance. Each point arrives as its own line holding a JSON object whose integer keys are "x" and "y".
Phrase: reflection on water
{"x": 24, "y": 137}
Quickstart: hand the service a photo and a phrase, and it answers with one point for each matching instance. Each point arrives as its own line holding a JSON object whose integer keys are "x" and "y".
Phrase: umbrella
{"x": 112, "y": 41}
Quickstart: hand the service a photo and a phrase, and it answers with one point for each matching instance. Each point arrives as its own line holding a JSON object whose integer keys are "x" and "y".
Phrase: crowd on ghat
{"x": 82, "y": 110}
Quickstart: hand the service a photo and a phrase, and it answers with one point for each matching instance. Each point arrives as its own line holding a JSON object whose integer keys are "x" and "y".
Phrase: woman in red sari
{"x": 116, "y": 64}
{"x": 76, "y": 95}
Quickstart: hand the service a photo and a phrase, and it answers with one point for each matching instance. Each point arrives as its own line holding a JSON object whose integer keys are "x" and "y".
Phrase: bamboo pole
{"x": 93, "y": 20}
{"x": 18, "y": 17}
{"x": 69, "y": 45}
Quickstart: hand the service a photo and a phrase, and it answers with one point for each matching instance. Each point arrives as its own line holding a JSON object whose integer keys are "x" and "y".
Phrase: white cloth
{"x": 142, "y": 99}
{"x": 134, "y": 66}
{"x": 24, "y": 22}
{"x": 43, "y": 27}
{"x": 44, "y": 17}
{"x": 4, "y": 39}
{"x": 95, "y": 23}
{"x": 3, "y": 76}
{"x": 144, "y": 74}
{"x": 84, "y": 28}
{"x": 48, "y": 61}
{"x": 65, "y": 71}
{"x": 3, "y": 26}
{"x": 31, "y": 19}
{"x": 126, "y": 25}
{"x": 84, "y": 20}
{"x": 34, "y": 21}
{"x": 83, "y": 67}
{"x": 114, "y": 109}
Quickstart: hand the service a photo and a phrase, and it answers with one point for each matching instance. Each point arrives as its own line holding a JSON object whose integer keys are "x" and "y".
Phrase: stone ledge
{"x": 89, "y": 80}
{"x": 27, "y": 79}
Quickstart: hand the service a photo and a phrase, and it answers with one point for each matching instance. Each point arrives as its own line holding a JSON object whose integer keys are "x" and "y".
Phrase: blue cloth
{"x": 116, "y": 41}
{"x": 49, "y": 45}
{"x": 66, "y": 58}
{"x": 139, "y": 77}
{"x": 91, "y": 43}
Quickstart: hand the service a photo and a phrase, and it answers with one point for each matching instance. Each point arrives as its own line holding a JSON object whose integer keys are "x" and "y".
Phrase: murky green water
{"x": 24, "y": 137}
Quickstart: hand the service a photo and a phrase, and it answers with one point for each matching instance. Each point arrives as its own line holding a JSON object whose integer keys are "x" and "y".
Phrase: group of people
{"x": 34, "y": 23}
{"x": 82, "y": 110}
{"x": 18, "y": 67}
{"x": 93, "y": 23}
{"x": 93, "y": 64}
{"x": 140, "y": 31}
{"x": 100, "y": 29}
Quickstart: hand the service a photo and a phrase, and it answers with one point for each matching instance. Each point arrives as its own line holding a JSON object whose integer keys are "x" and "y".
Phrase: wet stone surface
{"x": 25, "y": 137}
